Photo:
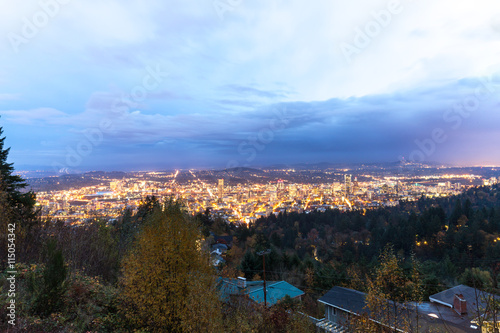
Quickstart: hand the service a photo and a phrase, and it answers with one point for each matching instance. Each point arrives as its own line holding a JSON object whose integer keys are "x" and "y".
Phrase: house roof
{"x": 223, "y": 239}
{"x": 276, "y": 290}
{"x": 221, "y": 246}
{"x": 437, "y": 316}
{"x": 354, "y": 301}
{"x": 432, "y": 315}
{"x": 217, "y": 259}
{"x": 471, "y": 295}
{"x": 349, "y": 300}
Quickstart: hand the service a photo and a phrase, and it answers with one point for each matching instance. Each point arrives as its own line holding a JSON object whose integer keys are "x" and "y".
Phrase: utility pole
{"x": 263, "y": 255}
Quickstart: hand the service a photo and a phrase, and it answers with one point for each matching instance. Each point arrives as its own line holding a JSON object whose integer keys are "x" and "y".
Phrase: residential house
{"x": 228, "y": 240}
{"x": 473, "y": 305}
{"x": 254, "y": 290}
{"x": 218, "y": 250}
{"x": 460, "y": 309}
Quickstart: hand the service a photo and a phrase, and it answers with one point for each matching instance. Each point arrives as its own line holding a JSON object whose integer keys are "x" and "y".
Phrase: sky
{"x": 155, "y": 84}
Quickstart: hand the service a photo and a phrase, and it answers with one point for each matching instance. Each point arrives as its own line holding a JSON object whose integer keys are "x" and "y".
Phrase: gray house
{"x": 460, "y": 309}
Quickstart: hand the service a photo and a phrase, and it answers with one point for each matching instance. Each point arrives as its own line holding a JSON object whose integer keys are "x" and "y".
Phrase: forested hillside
{"x": 455, "y": 239}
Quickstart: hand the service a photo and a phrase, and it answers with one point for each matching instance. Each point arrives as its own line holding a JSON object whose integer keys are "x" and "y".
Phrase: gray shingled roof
{"x": 470, "y": 294}
{"x": 354, "y": 301}
{"x": 347, "y": 299}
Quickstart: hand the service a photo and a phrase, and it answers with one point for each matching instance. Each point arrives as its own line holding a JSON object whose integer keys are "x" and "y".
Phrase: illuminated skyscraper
{"x": 347, "y": 185}
{"x": 221, "y": 188}
{"x": 355, "y": 186}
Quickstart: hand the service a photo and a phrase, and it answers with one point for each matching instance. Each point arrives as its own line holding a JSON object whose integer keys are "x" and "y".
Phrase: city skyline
{"x": 152, "y": 85}
{"x": 251, "y": 193}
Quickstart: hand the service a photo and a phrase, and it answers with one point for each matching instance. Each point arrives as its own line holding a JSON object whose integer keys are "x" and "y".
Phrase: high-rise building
{"x": 336, "y": 187}
{"x": 221, "y": 188}
{"x": 355, "y": 186}
{"x": 347, "y": 185}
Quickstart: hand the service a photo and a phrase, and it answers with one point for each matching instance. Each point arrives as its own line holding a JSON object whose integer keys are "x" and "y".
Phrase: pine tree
{"x": 16, "y": 209}
{"x": 457, "y": 213}
{"x": 13, "y": 184}
{"x": 49, "y": 290}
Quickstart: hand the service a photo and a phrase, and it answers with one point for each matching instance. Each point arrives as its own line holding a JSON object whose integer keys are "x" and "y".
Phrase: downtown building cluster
{"x": 244, "y": 202}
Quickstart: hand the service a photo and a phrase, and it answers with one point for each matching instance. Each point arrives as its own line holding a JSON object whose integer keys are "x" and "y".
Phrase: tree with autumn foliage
{"x": 167, "y": 277}
{"x": 391, "y": 288}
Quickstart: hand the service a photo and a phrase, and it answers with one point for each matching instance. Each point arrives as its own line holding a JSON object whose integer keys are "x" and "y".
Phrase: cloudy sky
{"x": 155, "y": 84}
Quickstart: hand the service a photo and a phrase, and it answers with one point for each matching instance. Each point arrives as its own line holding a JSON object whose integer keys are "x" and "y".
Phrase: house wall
{"x": 335, "y": 315}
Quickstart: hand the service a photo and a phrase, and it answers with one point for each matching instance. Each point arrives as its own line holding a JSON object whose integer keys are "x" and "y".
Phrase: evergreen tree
{"x": 249, "y": 265}
{"x": 13, "y": 184}
{"x": 468, "y": 209}
{"x": 16, "y": 209}
{"x": 49, "y": 290}
{"x": 457, "y": 213}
